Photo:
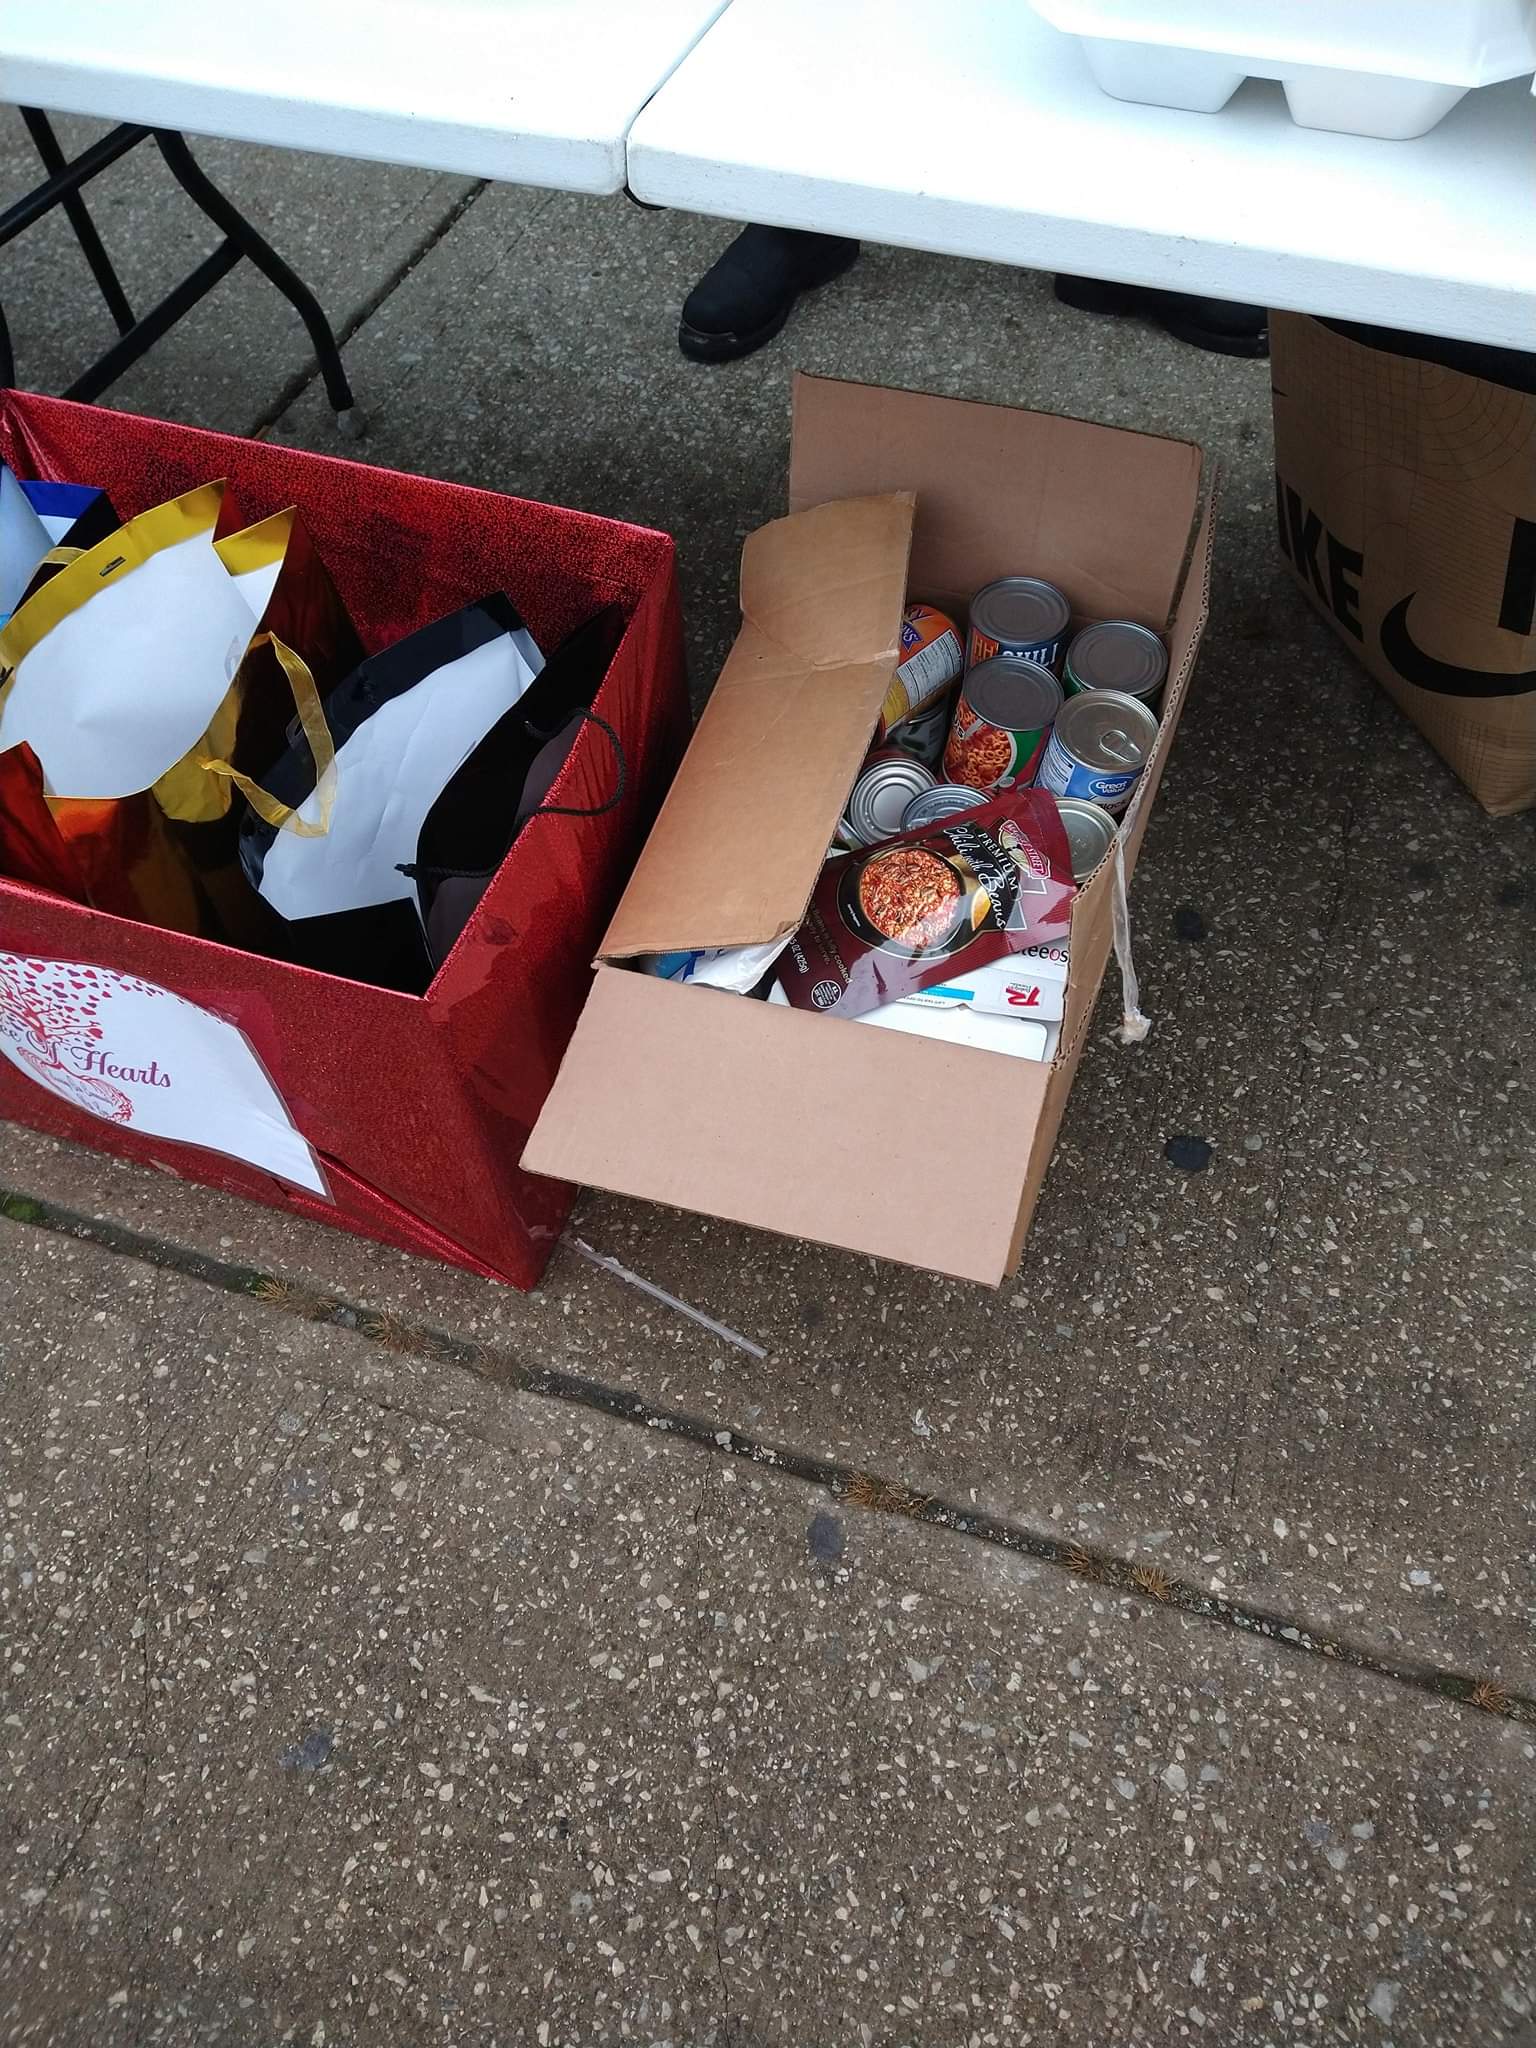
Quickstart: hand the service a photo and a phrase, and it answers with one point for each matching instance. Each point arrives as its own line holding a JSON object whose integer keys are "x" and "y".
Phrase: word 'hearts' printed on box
{"x": 141, "y": 1056}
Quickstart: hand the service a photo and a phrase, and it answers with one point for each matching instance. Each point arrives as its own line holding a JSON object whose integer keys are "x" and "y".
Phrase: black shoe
{"x": 1224, "y": 326}
{"x": 744, "y": 299}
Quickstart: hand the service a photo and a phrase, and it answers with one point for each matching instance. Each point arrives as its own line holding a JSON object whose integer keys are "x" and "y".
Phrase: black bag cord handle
{"x": 416, "y": 871}
{"x": 621, "y": 767}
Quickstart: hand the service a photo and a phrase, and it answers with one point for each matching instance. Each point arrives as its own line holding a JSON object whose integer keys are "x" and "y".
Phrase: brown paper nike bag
{"x": 1406, "y": 494}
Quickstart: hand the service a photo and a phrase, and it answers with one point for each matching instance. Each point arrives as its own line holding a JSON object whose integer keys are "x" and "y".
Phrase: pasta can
{"x": 1018, "y": 618}
{"x": 1002, "y": 720}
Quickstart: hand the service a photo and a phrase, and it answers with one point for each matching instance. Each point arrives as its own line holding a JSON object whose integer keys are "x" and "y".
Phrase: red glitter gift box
{"x": 413, "y": 1109}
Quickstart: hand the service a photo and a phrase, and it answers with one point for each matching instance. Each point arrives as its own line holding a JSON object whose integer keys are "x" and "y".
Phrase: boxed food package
{"x": 813, "y": 1125}
{"x": 1405, "y": 474}
{"x": 1387, "y": 68}
{"x": 394, "y": 1115}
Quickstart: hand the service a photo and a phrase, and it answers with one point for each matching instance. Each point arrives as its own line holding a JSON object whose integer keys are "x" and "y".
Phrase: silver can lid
{"x": 1022, "y": 609}
{"x": 1117, "y": 654}
{"x": 881, "y": 796}
{"x": 944, "y": 800}
{"x": 1020, "y": 696}
{"x": 1106, "y": 730}
{"x": 1090, "y": 834}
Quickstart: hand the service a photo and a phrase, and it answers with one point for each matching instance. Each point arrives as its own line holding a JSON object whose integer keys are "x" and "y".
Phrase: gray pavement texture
{"x": 352, "y": 1695}
{"x": 350, "y": 1699}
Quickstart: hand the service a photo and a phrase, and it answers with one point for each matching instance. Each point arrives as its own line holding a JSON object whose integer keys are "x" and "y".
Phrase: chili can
{"x": 930, "y": 658}
{"x": 877, "y": 805}
{"x": 1002, "y": 719}
{"x": 1116, "y": 654}
{"x": 1099, "y": 746}
{"x": 1018, "y": 618}
{"x": 1090, "y": 834}
{"x": 944, "y": 800}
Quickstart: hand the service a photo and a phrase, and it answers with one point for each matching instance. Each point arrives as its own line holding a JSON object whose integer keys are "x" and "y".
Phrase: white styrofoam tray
{"x": 1387, "y": 68}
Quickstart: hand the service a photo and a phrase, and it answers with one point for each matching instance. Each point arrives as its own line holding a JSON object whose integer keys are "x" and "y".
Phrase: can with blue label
{"x": 1099, "y": 745}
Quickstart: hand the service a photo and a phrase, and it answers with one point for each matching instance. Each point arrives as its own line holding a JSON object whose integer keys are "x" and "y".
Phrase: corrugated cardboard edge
{"x": 1092, "y": 939}
{"x": 788, "y": 1125}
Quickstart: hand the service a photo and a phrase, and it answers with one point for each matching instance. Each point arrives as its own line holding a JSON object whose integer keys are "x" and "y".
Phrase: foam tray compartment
{"x": 1385, "y": 68}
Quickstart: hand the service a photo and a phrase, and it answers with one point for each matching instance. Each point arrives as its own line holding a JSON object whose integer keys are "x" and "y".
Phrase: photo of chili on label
{"x": 890, "y": 919}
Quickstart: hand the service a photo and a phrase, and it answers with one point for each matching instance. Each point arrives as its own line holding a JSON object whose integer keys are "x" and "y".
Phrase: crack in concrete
{"x": 871, "y": 1491}
{"x": 296, "y": 385}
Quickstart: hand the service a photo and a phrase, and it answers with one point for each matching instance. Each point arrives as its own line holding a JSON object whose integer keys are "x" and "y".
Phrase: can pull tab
{"x": 1121, "y": 747}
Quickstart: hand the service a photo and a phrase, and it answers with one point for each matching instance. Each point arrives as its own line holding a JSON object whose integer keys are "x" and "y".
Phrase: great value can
{"x": 1002, "y": 718}
{"x": 931, "y": 657}
{"x": 1098, "y": 748}
{"x": 1116, "y": 654}
{"x": 944, "y": 800}
{"x": 1090, "y": 834}
{"x": 877, "y": 806}
{"x": 1020, "y": 618}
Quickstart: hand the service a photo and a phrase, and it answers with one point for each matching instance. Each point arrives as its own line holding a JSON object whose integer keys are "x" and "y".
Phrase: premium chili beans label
{"x": 931, "y": 904}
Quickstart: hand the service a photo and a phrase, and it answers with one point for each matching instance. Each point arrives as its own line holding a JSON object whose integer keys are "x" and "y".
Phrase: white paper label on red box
{"x": 141, "y": 1056}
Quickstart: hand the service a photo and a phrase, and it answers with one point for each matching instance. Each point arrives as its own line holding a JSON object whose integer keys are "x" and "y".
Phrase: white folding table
{"x": 534, "y": 92}
{"x": 973, "y": 128}
{"x": 538, "y": 92}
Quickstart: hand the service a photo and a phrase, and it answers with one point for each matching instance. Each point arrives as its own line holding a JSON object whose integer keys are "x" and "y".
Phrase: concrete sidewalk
{"x": 1142, "y": 1653}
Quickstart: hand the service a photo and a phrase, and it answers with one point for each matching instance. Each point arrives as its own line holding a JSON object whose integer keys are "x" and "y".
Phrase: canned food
{"x": 930, "y": 659}
{"x": 1116, "y": 654}
{"x": 887, "y": 783}
{"x": 1019, "y": 618}
{"x": 924, "y": 733}
{"x": 944, "y": 800}
{"x": 1098, "y": 748}
{"x": 1090, "y": 834}
{"x": 1002, "y": 719}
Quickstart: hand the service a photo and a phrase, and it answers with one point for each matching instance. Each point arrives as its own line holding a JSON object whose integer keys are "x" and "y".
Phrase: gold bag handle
{"x": 284, "y": 817}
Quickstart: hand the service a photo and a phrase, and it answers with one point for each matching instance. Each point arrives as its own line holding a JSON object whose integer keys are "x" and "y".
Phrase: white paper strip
{"x": 128, "y": 683}
{"x": 389, "y": 774}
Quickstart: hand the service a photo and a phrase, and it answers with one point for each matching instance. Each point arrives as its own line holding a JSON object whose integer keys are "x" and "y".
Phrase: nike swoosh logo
{"x": 1445, "y": 678}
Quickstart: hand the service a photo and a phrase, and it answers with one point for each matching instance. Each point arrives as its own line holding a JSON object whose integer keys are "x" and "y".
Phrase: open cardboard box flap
{"x": 734, "y": 856}
{"x": 1102, "y": 513}
{"x": 823, "y": 1128}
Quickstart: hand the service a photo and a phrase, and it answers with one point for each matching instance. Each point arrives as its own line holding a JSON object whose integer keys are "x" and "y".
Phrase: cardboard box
{"x": 882, "y": 1142}
{"x": 399, "y": 1117}
{"x": 1406, "y": 494}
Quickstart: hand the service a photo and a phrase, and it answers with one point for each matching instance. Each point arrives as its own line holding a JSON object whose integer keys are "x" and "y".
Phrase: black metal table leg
{"x": 62, "y": 188}
{"x": 143, "y": 334}
{"x": 195, "y": 182}
{"x": 54, "y": 161}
